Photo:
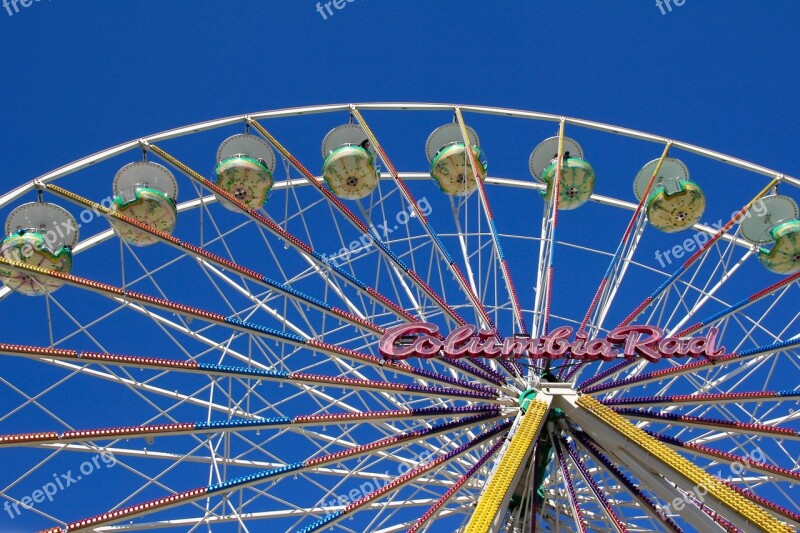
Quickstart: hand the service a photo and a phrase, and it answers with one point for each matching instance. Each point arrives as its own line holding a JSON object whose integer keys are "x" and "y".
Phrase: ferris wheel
{"x": 401, "y": 317}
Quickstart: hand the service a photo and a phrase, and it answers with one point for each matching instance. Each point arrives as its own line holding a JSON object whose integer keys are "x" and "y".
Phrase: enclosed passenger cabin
{"x": 244, "y": 170}
{"x": 576, "y": 182}
{"x": 39, "y": 235}
{"x": 772, "y": 222}
{"x": 674, "y": 202}
{"x": 349, "y": 166}
{"x": 451, "y": 164}
{"x": 146, "y": 193}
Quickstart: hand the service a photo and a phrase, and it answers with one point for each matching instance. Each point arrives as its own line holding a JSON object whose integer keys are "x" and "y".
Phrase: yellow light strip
{"x": 511, "y": 462}
{"x": 559, "y": 157}
{"x": 755, "y": 514}
{"x": 661, "y": 160}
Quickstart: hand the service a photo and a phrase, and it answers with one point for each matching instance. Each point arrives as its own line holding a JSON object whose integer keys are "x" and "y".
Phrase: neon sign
{"x": 649, "y": 342}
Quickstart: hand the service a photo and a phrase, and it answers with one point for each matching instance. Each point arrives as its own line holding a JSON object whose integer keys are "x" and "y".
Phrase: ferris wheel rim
{"x": 393, "y": 106}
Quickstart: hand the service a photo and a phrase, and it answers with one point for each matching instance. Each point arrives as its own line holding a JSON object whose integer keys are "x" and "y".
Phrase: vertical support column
{"x": 497, "y": 494}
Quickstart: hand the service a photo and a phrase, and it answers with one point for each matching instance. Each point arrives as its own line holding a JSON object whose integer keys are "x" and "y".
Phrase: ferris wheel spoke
{"x": 546, "y": 242}
{"x": 747, "y": 429}
{"x": 304, "y": 249}
{"x": 477, "y": 304}
{"x": 676, "y": 400}
{"x": 255, "y": 516}
{"x": 696, "y": 366}
{"x": 685, "y": 474}
{"x": 245, "y": 372}
{"x": 735, "y": 417}
{"x": 334, "y": 517}
{"x": 487, "y": 211}
{"x": 139, "y": 387}
{"x": 576, "y": 511}
{"x": 627, "y": 246}
{"x": 550, "y": 258}
{"x": 224, "y": 487}
{"x": 235, "y": 324}
{"x": 585, "y": 473}
{"x": 433, "y": 236}
{"x": 452, "y": 493}
{"x": 222, "y": 426}
{"x": 208, "y": 257}
{"x": 401, "y": 268}
{"x": 544, "y": 280}
{"x": 645, "y": 502}
{"x": 701, "y": 251}
{"x": 236, "y": 461}
{"x": 210, "y": 459}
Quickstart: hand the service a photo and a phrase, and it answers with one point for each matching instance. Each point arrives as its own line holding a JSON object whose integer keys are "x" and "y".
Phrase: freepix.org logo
{"x": 16, "y": 4}
{"x": 662, "y": 4}
{"x": 364, "y": 243}
{"x": 324, "y": 8}
{"x": 60, "y": 482}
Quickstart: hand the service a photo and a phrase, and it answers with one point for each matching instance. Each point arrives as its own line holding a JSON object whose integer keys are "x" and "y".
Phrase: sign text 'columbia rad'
{"x": 650, "y": 342}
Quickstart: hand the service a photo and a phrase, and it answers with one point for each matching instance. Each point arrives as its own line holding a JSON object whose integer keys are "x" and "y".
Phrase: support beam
{"x": 666, "y": 463}
{"x": 505, "y": 478}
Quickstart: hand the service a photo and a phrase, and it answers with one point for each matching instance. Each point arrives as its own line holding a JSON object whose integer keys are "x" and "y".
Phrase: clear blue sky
{"x": 84, "y": 75}
{"x": 80, "y": 76}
